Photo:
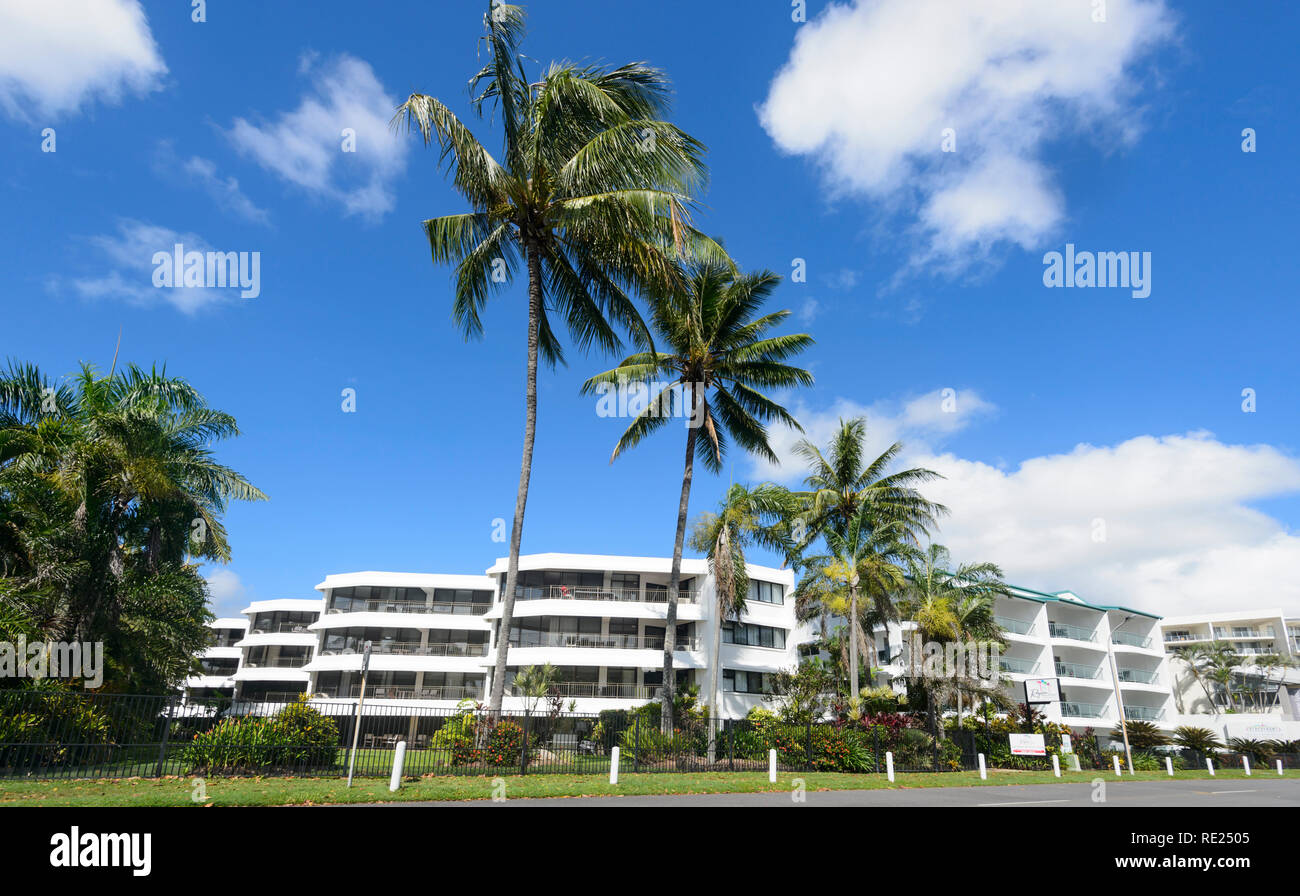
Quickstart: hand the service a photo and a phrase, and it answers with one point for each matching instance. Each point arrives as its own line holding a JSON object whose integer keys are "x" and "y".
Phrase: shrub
{"x": 1202, "y": 740}
{"x": 297, "y": 736}
{"x": 38, "y": 724}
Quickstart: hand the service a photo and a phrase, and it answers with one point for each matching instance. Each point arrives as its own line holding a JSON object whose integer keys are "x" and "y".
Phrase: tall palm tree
{"x": 591, "y": 194}
{"x": 718, "y": 356}
{"x": 840, "y": 481}
{"x": 1212, "y": 663}
{"x": 866, "y": 559}
{"x": 746, "y": 516}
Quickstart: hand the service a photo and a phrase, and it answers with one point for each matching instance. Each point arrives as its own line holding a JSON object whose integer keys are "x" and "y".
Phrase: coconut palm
{"x": 865, "y": 560}
{"x": 747, "y": 516}
{"x": 718, "y": 355}
{"x": 590, "y": 194}
{"x": 840, "y": 481}
{"x": 1212, "y": 664}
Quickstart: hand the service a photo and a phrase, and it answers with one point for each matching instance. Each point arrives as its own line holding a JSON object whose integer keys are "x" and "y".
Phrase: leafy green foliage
{"x": 298, "y": 736}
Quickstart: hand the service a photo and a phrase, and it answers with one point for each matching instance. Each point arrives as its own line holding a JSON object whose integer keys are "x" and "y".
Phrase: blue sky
{"x": 1073, "y": 407}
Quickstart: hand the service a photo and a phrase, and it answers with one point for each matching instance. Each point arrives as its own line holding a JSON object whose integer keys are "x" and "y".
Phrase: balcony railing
{"x": 1074, "y": 670}
{"x": 1141, "y": 676}
{"x": 1083, "y": 710}
{"x": 294, "y": 628}
{"x": 1073, "y": 632}
{"x": 1130, "y": 639}
{"x": 617, "y": 642}
{"x": 384, "y": 692}
{"x": 1015, "y": 626}
{"x": 564, "y": 592}
{"x": 398, "y": 606}
{"x": 1143, "y": 714}
{"x": 1243, "y": 633}
{"x": 1174, "y": 638}
{"x": 1016, "y": 666}
{"x": 458, "y": 648}
{"x": 609, "y": 691}
{"x": 284, "y": 662}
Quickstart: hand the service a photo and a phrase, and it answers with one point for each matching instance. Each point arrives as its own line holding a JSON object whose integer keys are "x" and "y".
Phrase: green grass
{"x": 308, "y": 791}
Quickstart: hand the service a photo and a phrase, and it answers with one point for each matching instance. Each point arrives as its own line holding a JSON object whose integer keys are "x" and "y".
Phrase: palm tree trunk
{"x": 853, "y": 645}
{"x": 525, "y": 474}
{"x": 675, "y": 580}
{"x": 715, "y": 689}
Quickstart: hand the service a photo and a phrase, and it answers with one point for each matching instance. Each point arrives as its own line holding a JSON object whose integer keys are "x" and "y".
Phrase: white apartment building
{"x": 1099, "y": 654}
{"x": 276, "y": 649}
{"x": 220, "y": 660}
{"x": 1269, "y": 695}
{"x": 600, "y": 620}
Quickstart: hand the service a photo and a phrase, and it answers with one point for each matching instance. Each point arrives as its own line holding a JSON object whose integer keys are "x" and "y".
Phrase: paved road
{"x": 1229, "y": 793}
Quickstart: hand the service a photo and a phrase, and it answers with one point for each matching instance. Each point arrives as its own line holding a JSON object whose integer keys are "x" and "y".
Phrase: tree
{"x": 535, "y": 683}
{"x": 746, "y": 516}
{"x": 591, "y": 195}
{"x": 1202, "y": 740}
{"x": 1141, "y": 735}
{"x": 1212, "y": 664}
{"x": 108, "y": 486}
{"x": 866, "y": 559}
{"x": 718, "y": 356}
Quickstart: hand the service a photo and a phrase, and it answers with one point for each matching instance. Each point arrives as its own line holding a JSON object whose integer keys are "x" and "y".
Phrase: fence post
{"x": 1169, "y": 765}
{"x": 984, "y": 772}
{"x": 731, "y": 747}
{"x": 1118, "y": 771}
{"x": 1245, "y": 763}
{"x": 1209, "y": 764}
{"x": 636, "y": 756}
{"x": 1056, "y": 765}
{"x": 771, "y": 766}
{"x": 875, "y": 748}
{"x": 167, "y": 728}
{"x": 523, "y": 749}
{"x": 808, "y": 756}
{"x": 613, "y": 765}
{"x": 889, "y": 765}
{"x": 1279, "y": 766}
{"x": 399, "y": 758}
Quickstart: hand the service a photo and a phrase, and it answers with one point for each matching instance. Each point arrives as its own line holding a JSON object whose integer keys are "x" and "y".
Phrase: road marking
{"x": 1231, "y": 791}
{"x": 1023, "y": 803}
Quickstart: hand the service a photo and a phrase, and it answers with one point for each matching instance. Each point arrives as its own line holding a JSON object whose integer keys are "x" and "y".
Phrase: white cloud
{"x": 305, "y": 146}
{"x": 1180, "y": 536}
{"x": 919, "y": 422}
{"x": 869, "y": 89}
{"x": 225, "y": 191}
{"x": 57, "y": 55}
{"x": 129, "y": 253}
{"x": 228, "y": 592}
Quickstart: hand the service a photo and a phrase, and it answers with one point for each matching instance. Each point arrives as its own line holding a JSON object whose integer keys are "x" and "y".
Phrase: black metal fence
{"x": 71, "y": 735}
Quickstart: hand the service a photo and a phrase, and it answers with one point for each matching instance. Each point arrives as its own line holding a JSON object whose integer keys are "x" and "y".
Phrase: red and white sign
{"x": 1028, "y": 745}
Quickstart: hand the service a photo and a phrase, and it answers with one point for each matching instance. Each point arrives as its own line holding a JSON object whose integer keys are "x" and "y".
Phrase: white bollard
{"x": 984, "y": 772}
{"x": 889, "y": 766}
{"x": 1245, "y": 763}
{"x": 1056, "y": 765}
{"x": 1074, "y": 758}
{"x": 1118, "y": 772}
{"x": 613, "y": 766}
{"x": 399, "y": 758}
{"x": 1209, "y": 764}
{"x": 1169, "y": 765}
{"x": 1279, "y": 766}
{"x": 771, "y": 766}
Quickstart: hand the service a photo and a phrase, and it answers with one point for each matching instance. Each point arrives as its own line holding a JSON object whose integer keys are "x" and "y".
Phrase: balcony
{"x": 616, "y": 642}
{"x": 1130, "y": 640}
{"x": 384, "y": 692}
{"x": 1143, "y": 714}
{"x": 1083, "y": 710}
{"x": 607, "y": 691}
{"x": 1017, "y": 667}
{"x": 564, "y": 592}
{"x": 1242, "y": 632}
{"x": 1074, "y": 670}
{"x": 462, "y": 648}
{"x": 293, "y": 628}
{"x": 391, "y": 606}
{"x": 1139, "y": 676}
{"x": 284, "y": 662}
{"x": 1178, "y": 637}
{"x": 1072, "y": 632}
{"x": 1015, "y": 626}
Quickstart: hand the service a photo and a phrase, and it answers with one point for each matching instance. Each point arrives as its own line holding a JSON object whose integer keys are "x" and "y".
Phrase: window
{"x": 746, "y": 682}
{"x": 766, "y": 592}
{"x": 753, "y": 635}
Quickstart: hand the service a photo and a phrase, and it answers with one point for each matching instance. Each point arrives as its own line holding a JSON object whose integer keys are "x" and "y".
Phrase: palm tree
{"x": 107, "y": 485}
{"x": 839, "y": 482}
{"x": 1202, "y": 740}
{"x": 591, "y": 194}
{"x": 535, "y": 682}
{"x": 746, "y": 516}
{"x": 865, "y": 559}
{"x": 719, "y": 355}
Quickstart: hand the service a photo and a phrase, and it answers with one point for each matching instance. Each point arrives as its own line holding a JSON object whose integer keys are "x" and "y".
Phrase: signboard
{"x": 1067, "y": 746}
{"x": 1028, "y": 745}
{"x": 365, "y": 659}
{"x": 1042, "y": 690}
